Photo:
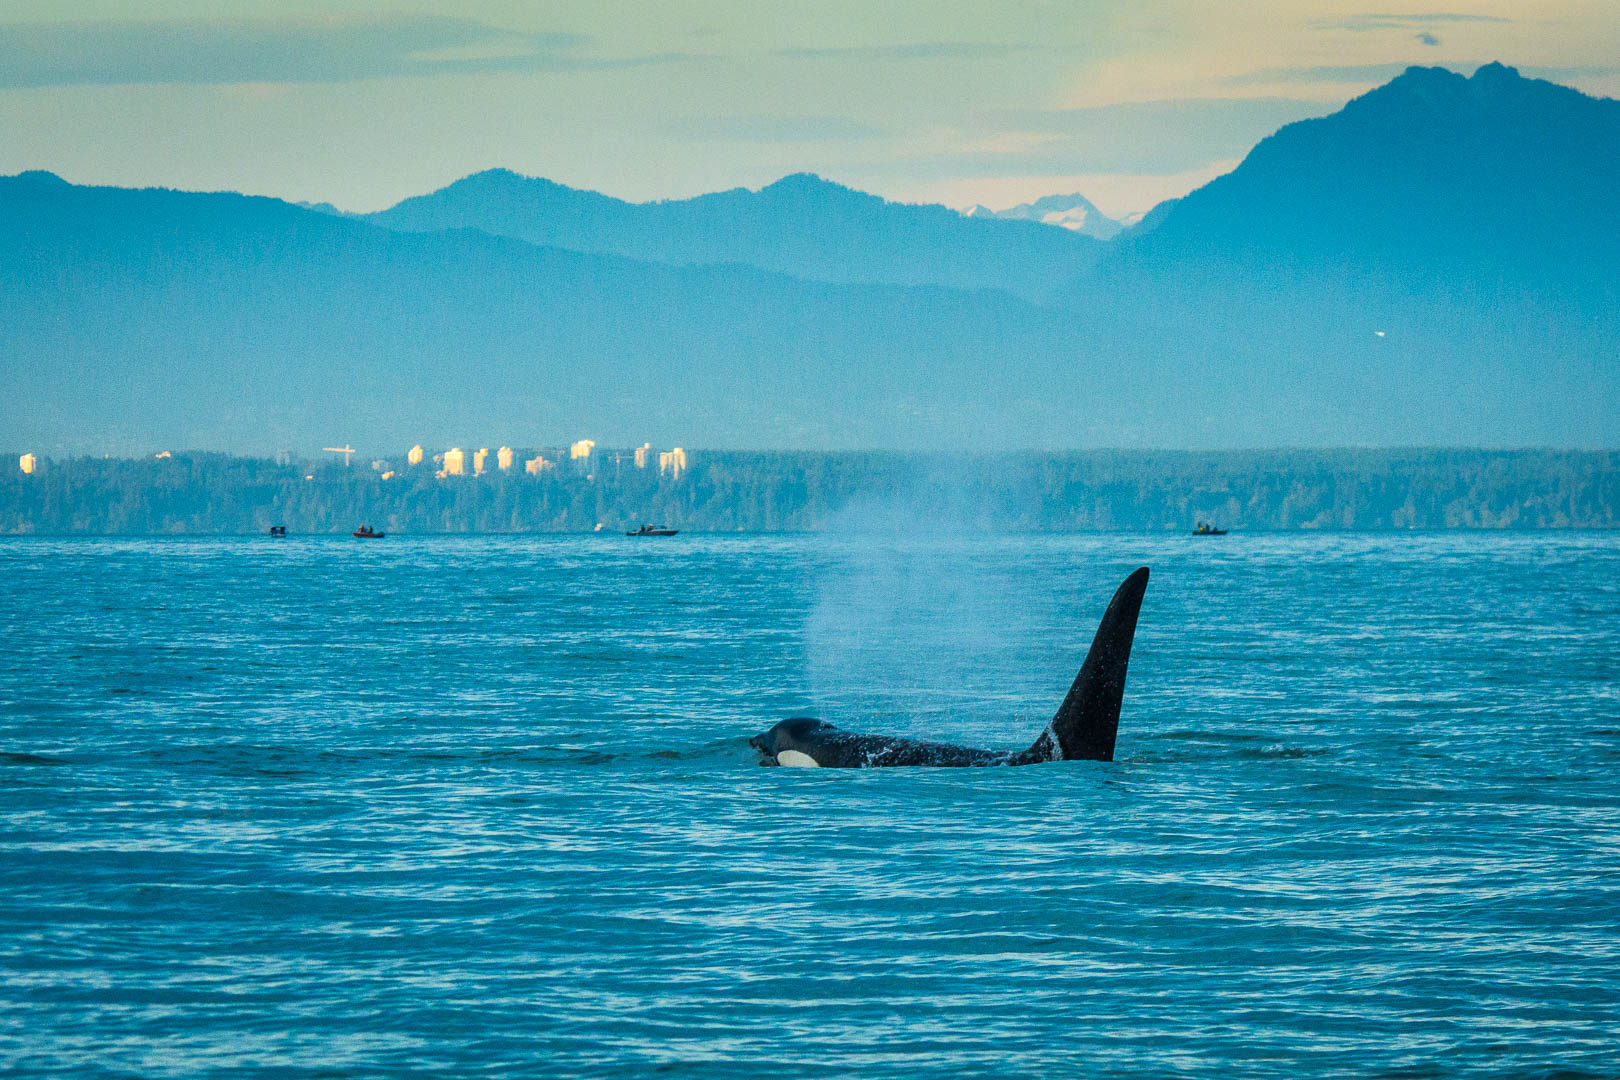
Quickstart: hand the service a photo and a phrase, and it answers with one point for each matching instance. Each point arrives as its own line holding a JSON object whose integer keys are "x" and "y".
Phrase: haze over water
{"x": 484, "y": 807}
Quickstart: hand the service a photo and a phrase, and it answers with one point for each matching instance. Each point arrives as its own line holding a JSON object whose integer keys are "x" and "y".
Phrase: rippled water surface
{"x": 485, "y": 807}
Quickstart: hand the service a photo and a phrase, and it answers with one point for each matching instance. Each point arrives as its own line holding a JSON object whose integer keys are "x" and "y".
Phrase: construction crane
{"x": 346, "y": 450}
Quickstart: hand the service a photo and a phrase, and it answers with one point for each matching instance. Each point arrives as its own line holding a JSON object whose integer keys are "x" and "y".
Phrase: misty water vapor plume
{"x": 913, "y": 628}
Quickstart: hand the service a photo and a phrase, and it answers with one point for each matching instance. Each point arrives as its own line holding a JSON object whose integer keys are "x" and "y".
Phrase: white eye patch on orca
{"x": 797, "y": 760}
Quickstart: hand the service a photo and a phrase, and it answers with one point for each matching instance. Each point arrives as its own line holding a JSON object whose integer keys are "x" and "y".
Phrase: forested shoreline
{"x": 732, "y": 491}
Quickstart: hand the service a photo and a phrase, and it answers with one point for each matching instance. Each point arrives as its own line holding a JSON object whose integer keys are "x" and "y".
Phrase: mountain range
{"x": 801, "y": 225}
{"x": 1427, "y": 181}
{"x": 1435, "y": 263}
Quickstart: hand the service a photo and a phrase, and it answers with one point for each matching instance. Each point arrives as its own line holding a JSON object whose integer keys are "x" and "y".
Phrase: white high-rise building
{"x": 415, "y": 456}
{"x": 455, "y": 462}
{"x": 27, "y": 463}
{"x": 672, "y": 462}
{"x": 503, "y": 458}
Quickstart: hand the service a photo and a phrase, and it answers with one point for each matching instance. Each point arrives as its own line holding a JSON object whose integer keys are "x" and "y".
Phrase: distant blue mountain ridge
{"x": 801, "y": 225}
{"x": 1429, "y": 179}
{"x": 1433, "y": 264}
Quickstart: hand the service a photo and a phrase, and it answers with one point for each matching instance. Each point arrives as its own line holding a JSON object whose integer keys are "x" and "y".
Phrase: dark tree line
{"x": 724, "y": 491}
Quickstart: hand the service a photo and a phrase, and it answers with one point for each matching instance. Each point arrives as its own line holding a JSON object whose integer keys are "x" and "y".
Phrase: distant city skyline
{"x": 362, "y": 104}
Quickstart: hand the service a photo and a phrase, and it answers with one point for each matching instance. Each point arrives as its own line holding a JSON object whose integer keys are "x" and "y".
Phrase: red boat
{"x": 366, "y": 532}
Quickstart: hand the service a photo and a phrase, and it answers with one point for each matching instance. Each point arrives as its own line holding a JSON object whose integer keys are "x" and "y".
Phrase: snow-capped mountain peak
{"x": 1073, "y": 212}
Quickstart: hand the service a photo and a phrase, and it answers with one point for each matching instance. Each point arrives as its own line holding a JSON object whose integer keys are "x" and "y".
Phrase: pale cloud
{"x": 1186, "y": 132}
{"x": 1371, "y": 23}
{"x": 1001, "y": 144}
{"x": 255, "y": 91}
{"x": 986, "y": 153}
{"x": 340, "y": 49}
{"x": 785, "y": 129}
{"x": 1355, "y": 74}
{"x": 1241, "y": 48}
{"x": 925, "y": 50}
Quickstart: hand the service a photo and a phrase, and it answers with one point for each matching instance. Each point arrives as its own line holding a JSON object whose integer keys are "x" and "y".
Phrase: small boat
{"x": 278, "y": 530}
{"x": 653, "y": 530}
{"x": 366, "y": 532}
{"x": 1207, "y": 529}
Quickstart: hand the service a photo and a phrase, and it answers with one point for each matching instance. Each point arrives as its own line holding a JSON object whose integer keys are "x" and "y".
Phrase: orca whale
{"x": 1083, "y": 729}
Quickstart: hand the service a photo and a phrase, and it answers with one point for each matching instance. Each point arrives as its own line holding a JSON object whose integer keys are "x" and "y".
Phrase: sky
{"x": 363, "y": 104}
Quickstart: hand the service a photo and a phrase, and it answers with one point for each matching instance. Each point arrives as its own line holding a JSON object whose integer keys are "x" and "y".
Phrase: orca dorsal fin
{"x": 1087, "y": 722}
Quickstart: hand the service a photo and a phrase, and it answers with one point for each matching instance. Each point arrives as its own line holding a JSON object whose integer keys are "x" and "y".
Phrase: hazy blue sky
{"x": 362, "y": 104}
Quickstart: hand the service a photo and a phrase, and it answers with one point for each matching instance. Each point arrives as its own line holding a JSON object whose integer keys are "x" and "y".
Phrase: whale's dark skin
{"x": 1084, "y": 728}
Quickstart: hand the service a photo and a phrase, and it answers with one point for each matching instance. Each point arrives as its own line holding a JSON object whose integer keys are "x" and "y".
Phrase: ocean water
{"x": 485, "y": 807}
